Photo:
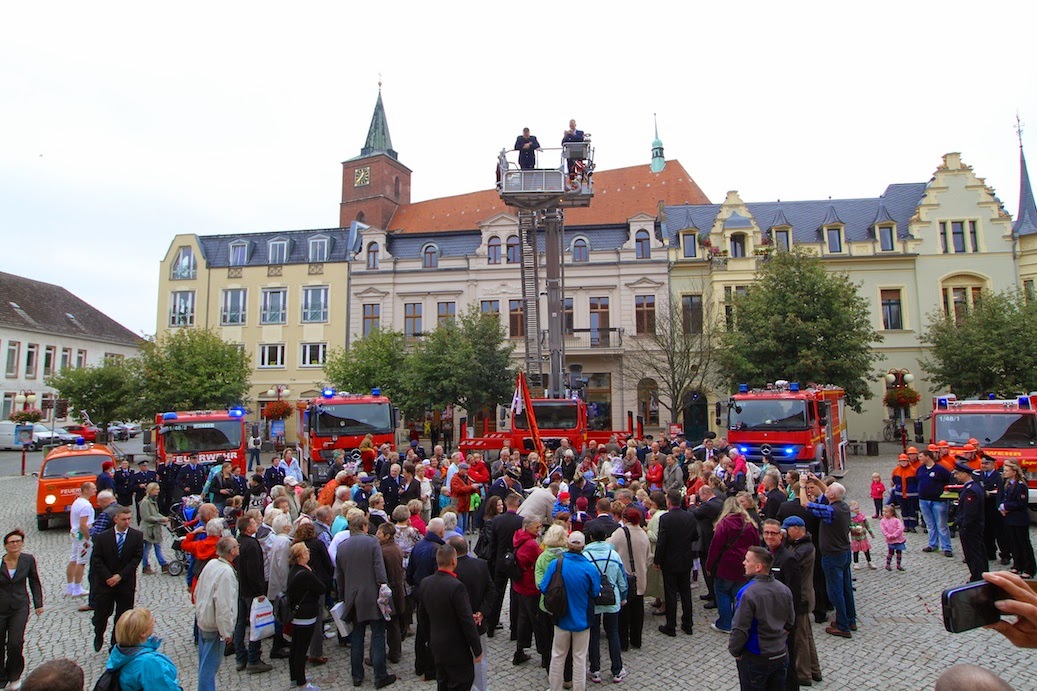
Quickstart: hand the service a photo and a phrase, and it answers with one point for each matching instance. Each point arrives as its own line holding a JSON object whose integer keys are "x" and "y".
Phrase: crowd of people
{"x": 427, "y": 547}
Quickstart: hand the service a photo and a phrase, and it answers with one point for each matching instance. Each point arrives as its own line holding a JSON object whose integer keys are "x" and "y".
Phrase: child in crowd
{"x": 859, "y": 532}
{"x": 232, "y": 511}
{"x": 256, "y": 493}
{"x": 878, "y": 491}
{"x": 893, "y": 530}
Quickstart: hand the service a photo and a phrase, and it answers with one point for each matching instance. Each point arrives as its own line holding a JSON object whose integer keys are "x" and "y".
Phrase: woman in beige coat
{"x": 631, "y": 541}
{"x": 654, "y": 589}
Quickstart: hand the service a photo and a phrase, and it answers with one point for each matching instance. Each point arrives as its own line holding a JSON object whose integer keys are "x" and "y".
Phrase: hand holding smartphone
{"x": 975, "y": 604}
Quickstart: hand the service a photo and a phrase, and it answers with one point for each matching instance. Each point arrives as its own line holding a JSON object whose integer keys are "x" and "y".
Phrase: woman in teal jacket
{"x": 141, "y": 667}
{"x": 608, "y": 562}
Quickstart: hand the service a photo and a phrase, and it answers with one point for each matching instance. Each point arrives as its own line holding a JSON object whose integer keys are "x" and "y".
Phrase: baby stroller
{"x": 179, "y": 514}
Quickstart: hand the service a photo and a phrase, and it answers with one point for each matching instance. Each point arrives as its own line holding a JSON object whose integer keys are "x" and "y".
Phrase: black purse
{"x": 607, "y": 596}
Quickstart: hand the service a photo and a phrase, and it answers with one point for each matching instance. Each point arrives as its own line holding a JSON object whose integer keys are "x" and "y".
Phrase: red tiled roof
{"x": 618, "y": 195}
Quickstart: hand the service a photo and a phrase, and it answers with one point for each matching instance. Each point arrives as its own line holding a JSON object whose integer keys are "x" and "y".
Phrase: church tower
{"x": 374, "y": 184}
{"x": 1026, "y": 219}
{"x": 658, "y": 160}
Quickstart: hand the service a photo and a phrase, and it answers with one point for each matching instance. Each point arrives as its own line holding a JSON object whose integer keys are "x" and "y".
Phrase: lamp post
{"x": 900, "y": 379}
{"x": 278, "y": 390}
{"x": 25, "y": 398}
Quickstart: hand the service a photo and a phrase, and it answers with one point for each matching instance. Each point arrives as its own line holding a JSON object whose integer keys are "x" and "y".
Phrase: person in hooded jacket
{"x": 136, "y": 657}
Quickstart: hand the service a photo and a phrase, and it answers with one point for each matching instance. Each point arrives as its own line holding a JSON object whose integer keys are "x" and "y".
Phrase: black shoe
{"x": 98, "y": 642}
{"x": 928, "y": 549}
{"x": 816, "y": 677}
{"x": 279, "y": 654}
{"x": 389, "y": 679}
{"x": 1005, "y": 561}
{"x": 519, "y": 658}
{"x": 667, "y": 632}
{"x": 489, "y": 634}
{"x": 686, "y": 629}
{"x": 710, "y": 605}
{"x": 358, "y": 682}
{"x": 820, "y": 619}
{"x": 229, "y": 650}
{"x": 806, "y": 683}
{"x": 707, "y": 596}
{"x": 241, "y": 666}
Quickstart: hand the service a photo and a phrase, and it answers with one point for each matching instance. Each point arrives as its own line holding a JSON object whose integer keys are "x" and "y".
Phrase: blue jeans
{"x": 158, "y": 554}
{"x": 935, "y": 513}
{"x": 210, "y": 655}
{"x": 611, "y": 623}
{"x": 253, "y": 457}
{"x": 727, "y": 596}
{"x": 839, "y": 584}
{"x": 242, "y": 654}
{"x": 462, "y": 522}
{"x": 356, "y": 649}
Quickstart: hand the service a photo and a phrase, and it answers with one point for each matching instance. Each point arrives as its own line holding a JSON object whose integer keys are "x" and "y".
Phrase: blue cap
{"x": 793, "y": 521}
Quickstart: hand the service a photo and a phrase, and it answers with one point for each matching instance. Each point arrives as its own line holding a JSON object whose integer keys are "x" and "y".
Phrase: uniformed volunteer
{"x": 970, "y": 521}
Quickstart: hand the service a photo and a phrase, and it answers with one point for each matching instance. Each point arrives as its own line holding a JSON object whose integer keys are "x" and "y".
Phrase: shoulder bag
{"x": 632, "y": 576}
{"x": 607, "y": 596}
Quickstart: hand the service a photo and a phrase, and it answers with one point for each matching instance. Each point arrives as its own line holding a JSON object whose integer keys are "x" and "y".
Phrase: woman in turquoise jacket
{"x": 141, "y": 667}
{"x": 608, "y": 562}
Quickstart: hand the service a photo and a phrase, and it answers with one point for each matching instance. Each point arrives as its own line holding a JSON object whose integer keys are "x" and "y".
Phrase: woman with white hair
{"x": 277, "y": 580}
{"x": 342, "y": 495}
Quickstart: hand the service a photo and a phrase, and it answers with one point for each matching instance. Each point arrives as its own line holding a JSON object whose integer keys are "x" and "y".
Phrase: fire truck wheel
{"x": 42, "y": 524}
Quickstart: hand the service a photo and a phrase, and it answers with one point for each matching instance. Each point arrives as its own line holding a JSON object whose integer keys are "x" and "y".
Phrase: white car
{"x": 132, "y": 428}
{"x": 41, "y": 434}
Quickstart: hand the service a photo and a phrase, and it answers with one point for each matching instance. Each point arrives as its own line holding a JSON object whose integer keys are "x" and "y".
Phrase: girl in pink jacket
{"x": 893, "y": 530}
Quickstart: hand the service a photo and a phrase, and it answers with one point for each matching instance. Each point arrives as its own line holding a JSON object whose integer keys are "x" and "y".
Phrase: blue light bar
{"x": 991, "y": 397}
{"x": 328, "y": 392}
{"x": 1024, "y": 402}
{"x": 376, "y": 391}
{"x": 744, "y": 449}
{"x": 743, "y": 388}
{"x": 794, "y": 386}
{"x": 941, "y": 403}
{"x": 168, "y": 416}
{"x": 236, "y": 412}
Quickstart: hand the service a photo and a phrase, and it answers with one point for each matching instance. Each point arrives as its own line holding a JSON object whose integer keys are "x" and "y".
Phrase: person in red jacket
{"x": 655, "y": 474}
{"x": 479, "y": 471}
{"x": 526, "y": 599}
{"x": 461, "y": 490}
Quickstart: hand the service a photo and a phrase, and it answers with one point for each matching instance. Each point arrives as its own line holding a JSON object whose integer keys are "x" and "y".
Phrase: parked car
{"x": 41, "y": 435}
{"x": 131, "y": 427}
{"x": 87, "y": 432}
{"x": 118, "y": 432}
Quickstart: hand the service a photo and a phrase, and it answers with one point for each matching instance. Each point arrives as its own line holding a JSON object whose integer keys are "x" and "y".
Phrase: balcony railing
{"x": 182, "y": 272}
{"x": 589, "y": 339}
{"x": 272, "y": 316}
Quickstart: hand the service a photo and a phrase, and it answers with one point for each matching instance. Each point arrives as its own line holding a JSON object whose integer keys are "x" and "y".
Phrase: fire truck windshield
{"x": 767, "y": 414}
{"x": 560, "y": 414}
{"x": 210, "y": 435}
{"x": 352, "y": 418}
{"x": 71, "y": 466}
{"x": 1007, "y": 430}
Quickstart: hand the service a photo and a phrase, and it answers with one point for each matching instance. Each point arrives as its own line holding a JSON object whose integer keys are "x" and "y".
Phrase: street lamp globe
{"x": 890, "y": 377}
{"x": 908, "y": 378}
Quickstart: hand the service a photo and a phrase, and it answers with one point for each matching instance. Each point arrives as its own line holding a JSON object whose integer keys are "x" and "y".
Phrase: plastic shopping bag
{"x": 338, "y": 613}
{"x": 261, "y": 619}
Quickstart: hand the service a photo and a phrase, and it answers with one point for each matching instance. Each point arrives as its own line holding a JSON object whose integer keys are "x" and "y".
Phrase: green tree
{"x": 801, "y": 323}
{"x": 376, "y": 360}
{"x": 190, "y": 369}
{"x": 105, "y": 392}
{"x": 989, "y": 349}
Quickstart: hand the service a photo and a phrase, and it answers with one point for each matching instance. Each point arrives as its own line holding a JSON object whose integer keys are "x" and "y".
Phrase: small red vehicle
{"x": 87, "y": 432}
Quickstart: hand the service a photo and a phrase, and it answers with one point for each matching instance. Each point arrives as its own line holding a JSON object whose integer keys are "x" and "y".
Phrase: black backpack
{"x": 511, "y": 566}
{"x": 108, "y": 681}
{"x": 556, "y": 600}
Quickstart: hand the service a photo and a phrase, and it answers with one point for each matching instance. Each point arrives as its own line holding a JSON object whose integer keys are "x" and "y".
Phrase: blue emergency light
{"x": 789, "y": 450}
{"x": 1024, "y": 402}
{"x": 991, "y": 397}
{"x": 167, "y": 417}
{"x": 794, "y": 386}
{"x": 328, "y": 392}
{"x": 236, "y": 412}
{"x": 743, "y": 388}
{"x": 744, "y": 449}
{"x": 941, "y": 403}
{"x": 376, "y": 391}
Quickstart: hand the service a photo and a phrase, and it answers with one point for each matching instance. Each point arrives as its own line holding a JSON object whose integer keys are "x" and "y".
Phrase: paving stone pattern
{"x": 901, "y": 643}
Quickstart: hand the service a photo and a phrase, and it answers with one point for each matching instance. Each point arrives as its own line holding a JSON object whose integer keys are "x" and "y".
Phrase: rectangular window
{"x": 273, "y": 309}
{"x": 973, "y": 236}
{"x": 66, "y": 358}
{"x": 886, "y": 242}
{"x": 181, "y": 311}
{"x": 232, "y": 312}
{"x": 237, "y": 254}
{"x": 80, "y": 358}
{"x": 977, "y": 297}
{"x": 50, "y": 359}
{"x": 959, "y": 302}
{"x": 892, "y": 311}
{"x": 183, "y": 265}
{"x": 312, "y": 354}
{"x": 943, "y": 237}
{"x": 690, "y": 245}
{"x": 1028, "y": 289}
{"x": 781, "y": 240}
{"x": 834, "y": 237}
{"x": 14, "y": 355}
{"x": 445, "y": 313}
{"x": 47, "y": 406}
{"x": 278, "y": 252}
{"x": 318, "y": 250}
{"x": 315, "y": 304}
{"x": 516, "y": 319}
{"x": 567, "y": 317}
{"x": 691, "y": 313}
{"x": 958, "y": 236}
{"x": 731, "y": 293}
{"x": 372, "y": 318}
{"x": 599, "y": 322}
{"x": 8, "y": 404}
{"x": 271, "y": 355}
{"x": 644, "y": 313}
{"x": 412, "y": 319}
{"x": 738, "y": 245}
{"x": 32, "y": 360}
{"x": 490, "y": 307}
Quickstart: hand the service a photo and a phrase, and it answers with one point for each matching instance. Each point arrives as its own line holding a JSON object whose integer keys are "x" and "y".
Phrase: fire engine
{"x": 798, "y": 427}
{"x": 207, "y": 433}
{"x": 1005, "y": 428}
{"x": 342, "y": 420}
{"x": 61, "y": 476}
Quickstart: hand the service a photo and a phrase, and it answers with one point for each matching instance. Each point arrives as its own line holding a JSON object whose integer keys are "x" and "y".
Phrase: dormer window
{"x": 580, "y": 250}
{"x": 514, "y": 253}
{"x": 689, "y": 244}
{"x": 493, "y": 250}
{"x": 238, "y": 253}
{"x": 372, "y": 256}
{"x": 278, "y": 251}
{"x": 738, "y": 245}
{"x": 834, "y": 239}
{"x": 430, "y": 256}
{"x": 782, "y": 239}
{"x": 184, "y": 265}
{"x": 318, "y": 250}
{"x": 886, "y": 238}
{"x": 642, "y": 245}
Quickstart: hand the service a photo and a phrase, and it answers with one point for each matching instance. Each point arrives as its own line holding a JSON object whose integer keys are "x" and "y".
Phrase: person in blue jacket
{"x": 140, "y": 665}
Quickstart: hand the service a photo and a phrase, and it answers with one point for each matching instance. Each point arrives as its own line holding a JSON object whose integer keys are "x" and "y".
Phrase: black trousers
{"x": 677, "y": 584}
{"x": 107, "y": 600}
{"x": 821, "y": 603}
{"x": 500, "y": 588}
{"x": 706, "y": 574}
{"x": 1022, "y": 550}
{"x": 975, "y": 553}
{"x": 632, "y": 621}
{"x": 530, "y": 626}
{"x": 12, "y": 636}
{"x": 424, "y": 664}
{"x": 455, "y": 677}
{"x": 297, "y": 653}
{"x": 994, "y": 532}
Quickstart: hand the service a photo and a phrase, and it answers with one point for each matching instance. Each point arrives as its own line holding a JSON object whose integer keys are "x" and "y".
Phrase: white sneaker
{"x": 857, "y": 565}
{"x": 68, "y": 589}
{"x": 620, "y": 677}
{"x": 594, "y": 676}
{"x": 694, "y": 584}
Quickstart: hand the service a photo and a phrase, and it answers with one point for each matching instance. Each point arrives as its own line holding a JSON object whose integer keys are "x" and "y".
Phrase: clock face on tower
{"x": 362, "y": 176}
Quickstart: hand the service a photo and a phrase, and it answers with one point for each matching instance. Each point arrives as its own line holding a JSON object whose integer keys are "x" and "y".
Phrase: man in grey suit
{"x": 359, "y": 572}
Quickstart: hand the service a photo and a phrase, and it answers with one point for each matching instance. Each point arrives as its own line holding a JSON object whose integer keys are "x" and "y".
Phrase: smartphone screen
{"x": 971, "y": 606}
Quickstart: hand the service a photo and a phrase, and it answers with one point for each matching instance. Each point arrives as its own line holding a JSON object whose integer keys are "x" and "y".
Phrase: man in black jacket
{"x": 526, "y": 144}
{"x": 444, "y": 600}
{"x": 423, "y": 564}
{"x": 474, "y": 575}
{"x": 706, "y": 513}
{"x": 504, "y": 528}
{"x": 673, "y": 556}
{"x": 785, "y": 568}
{"x": 603, "y": 523}
{"x": 775, "y": 497}
{"x": 113, "y": 566}
{"x": 821, "y": 605}
{"x": 190, "y": 479}
{"x": 251, "y": 584}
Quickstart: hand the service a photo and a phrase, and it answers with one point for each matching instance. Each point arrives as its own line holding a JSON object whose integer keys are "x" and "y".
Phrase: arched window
{"x": 360, "y": 217}
{"x": 642, "y": 245}
{"x": 961, "y": 294}
{"x": 372, "y": 255}
{"x": 738, "y": 245}
{"x": 648, "y": 401}
{"x": 493, "y": 250}
{"x": 580, "y": 250}
{"x": 513, "y": 250}
{"x": 396, "y": 188}
{"x": 430, "y": 257}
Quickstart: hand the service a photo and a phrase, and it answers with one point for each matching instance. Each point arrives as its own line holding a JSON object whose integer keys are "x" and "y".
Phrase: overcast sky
{"x": 126, "y": 123}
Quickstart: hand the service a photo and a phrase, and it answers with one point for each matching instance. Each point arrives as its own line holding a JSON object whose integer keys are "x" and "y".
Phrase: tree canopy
{"x": 105, "y": 392}
{"x": 989, "y": 349}
{"x": 376, "y": 360}
{"x": 802, "y": 323}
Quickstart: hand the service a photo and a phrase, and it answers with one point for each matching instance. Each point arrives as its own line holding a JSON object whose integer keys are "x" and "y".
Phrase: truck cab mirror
{"x": 919, "y": 432}
{"x": 503, "y": 415}
{"x": 822, "y": 413}
{"x": 718, "y": 413}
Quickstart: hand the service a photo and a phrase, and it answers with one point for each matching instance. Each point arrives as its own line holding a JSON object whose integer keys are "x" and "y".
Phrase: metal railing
{"x": 589, "y": 339}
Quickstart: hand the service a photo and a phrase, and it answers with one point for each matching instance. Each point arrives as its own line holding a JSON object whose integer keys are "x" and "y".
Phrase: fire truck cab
{"x": 800, "y": 428}
{"x": 341, "y": 420}
{"x": 207, "y": 433}
{"x": 62, "y": 475}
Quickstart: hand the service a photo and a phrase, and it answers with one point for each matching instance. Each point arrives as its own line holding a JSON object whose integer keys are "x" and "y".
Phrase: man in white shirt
{"x": 216, "y": 611}
{"x": 81, "y": 517}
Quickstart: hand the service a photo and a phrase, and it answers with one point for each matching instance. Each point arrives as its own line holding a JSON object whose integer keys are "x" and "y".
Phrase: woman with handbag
{"x": 18, "y": 572}
{"x": 631, "y": 541}
{"x": 735, "y": 533}
{"x": 305, "y": 591}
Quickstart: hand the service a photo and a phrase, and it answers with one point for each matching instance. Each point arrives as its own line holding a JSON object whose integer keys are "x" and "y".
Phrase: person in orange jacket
{"x": 904, "y": 490}
{"x": 461, "y": 490}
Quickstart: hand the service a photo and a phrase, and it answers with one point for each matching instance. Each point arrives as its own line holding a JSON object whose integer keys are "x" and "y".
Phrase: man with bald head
{"x": 834, "y": 545}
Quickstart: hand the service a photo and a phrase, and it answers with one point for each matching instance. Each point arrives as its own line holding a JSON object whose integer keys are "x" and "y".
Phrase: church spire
{"x": 1026, "y": 220}
{"x": 378, "y": 139}
{"x": 658, "y": 160}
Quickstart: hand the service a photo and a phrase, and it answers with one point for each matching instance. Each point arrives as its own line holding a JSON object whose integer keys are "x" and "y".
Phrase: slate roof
{"x": 805, "y": 217}
{"x": 464, "y": 243}
{"x": 47, "y": 308}
{"x": 1026, "y": 221}
{"x": 216, "y": 248}
{"x": 378, "y": 139}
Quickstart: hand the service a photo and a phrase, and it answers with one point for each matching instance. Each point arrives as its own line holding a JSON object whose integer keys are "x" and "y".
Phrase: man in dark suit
{"x": 673, "y": 556}
{"x": 706, "y": 513}
{"x": 114, "y": 563}
{"x": 474, "y": 574}
{"x": 603, "y": 523}
{"x": 389, "y": 486}
{"x": 504, "y": 528}
{"x": 445, "y": 601}
{"x": 775, "y": 497}
{"x": 251, "y": 584}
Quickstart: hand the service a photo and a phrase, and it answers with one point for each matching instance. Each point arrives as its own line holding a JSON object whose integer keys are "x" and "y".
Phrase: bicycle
{"x": 891, "y": 430}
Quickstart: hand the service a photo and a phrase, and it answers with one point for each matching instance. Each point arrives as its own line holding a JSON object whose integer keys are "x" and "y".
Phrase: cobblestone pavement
{"x": 901, "y": 643}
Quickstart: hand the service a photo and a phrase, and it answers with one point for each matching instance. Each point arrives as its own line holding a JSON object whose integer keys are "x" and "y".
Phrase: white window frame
{"x": 319, "y": 247}
{"x": 181, "y": 308}
{"x": 307, "y": 349}
{"x": 15, "y": 348}
{"x": 32, "y": 360}
{"x": 265, "y": 310}
{"x": 185, "y": 267}
{"x": 50, "y": 353}
{"x": 271, "y": 355}
{"x": 842, "y": 240}
{"x": 314, "y": 314}
{"x": 236, "y": 247}
{"x": 66, "y": 359}
{"x": 689, "y": 241}
{"x": 279, "y": 246}
{"x": 226, "y": 307}
{"x": 892, "y": 237}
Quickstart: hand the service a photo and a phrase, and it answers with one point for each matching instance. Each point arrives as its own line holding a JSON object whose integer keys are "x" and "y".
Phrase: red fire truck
{"x": 208, "y": 433}
{"x": 799, "y": 427}
{"x": 1005, "y": 428}
{"x": 342, "y": 420}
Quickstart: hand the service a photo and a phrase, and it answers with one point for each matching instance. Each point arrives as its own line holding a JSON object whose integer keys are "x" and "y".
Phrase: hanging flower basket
{"x": 900, "y": 397}
{"x": 24, "y": 417}
{"x": 277, "y": 410}
{"x": 704, "y": 241}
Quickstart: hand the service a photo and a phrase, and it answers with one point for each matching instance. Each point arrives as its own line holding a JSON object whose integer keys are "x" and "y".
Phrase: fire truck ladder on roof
{"x": 529, "y": 272}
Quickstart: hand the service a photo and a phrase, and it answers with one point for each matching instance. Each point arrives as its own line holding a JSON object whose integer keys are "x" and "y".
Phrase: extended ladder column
{"x": 555, "y": 306}
{"x": 528, "y": 269}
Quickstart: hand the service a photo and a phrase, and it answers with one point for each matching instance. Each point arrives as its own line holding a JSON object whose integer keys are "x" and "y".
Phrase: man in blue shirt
{"x": 932, "y": 479}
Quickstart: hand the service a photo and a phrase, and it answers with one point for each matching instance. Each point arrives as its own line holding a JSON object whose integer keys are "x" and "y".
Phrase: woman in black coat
{"x": 19, "y": 570}
{"x": 305, "y": 592}
{"x": 320, "y": 564}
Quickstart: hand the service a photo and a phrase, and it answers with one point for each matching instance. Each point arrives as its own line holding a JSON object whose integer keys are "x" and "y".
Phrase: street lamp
{"x": 279, "y": 390}
{"x": 900, "y": 379}
{"x": 25, "y": 398}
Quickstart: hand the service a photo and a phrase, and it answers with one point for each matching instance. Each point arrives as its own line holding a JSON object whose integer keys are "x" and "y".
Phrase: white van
{"x": 41, "y": 435}
{"x": 7, "y": 438}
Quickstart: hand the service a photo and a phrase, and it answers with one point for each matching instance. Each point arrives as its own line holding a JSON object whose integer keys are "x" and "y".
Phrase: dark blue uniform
{"x": 527, "y": 157}
{"x": 124, "y": 487}
{"x": 970, "y": 520}
{"x": 191, "y": 479}
{"x": 993, "y": 527}
{"x": 105, "y": 482}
